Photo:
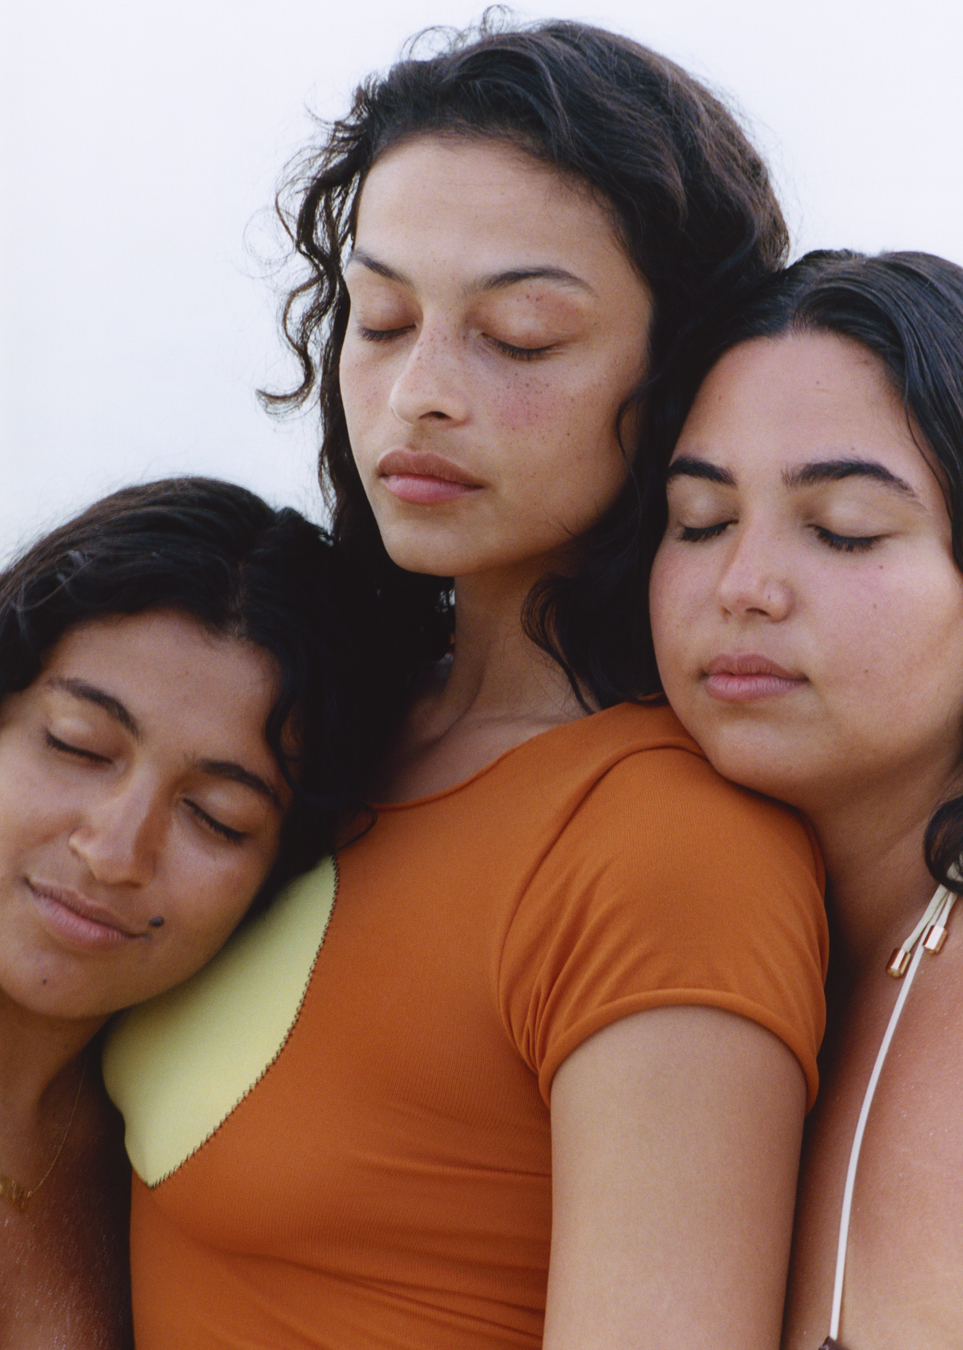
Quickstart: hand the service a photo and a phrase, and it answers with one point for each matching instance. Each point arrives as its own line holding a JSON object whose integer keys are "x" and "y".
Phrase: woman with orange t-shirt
{"x": 527, "y": 1065}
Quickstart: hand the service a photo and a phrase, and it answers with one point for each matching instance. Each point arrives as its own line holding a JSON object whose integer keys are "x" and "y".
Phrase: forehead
{"x": 801, "y": 395}
{"x": 432, "y": 192}
{"x": 168, "y": 660}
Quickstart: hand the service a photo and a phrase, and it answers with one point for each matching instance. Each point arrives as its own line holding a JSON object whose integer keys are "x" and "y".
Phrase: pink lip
{"x": 78, "y": 919}
{"x": 422, "y": 477}
{"x": 744, "y": 677}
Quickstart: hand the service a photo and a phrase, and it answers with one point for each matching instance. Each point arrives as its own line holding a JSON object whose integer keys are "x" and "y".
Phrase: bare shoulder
{"x": 905, "y": 1253}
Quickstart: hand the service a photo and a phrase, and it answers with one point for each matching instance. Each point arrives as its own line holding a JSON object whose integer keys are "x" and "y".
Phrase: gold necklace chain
{"x": 12, "y": 1190}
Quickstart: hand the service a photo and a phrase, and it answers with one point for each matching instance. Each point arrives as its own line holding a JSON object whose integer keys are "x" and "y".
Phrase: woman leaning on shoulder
{"x": 547, "y": 1080}
{"x": 807, "y": 604}
{"x": 176, "y": 741}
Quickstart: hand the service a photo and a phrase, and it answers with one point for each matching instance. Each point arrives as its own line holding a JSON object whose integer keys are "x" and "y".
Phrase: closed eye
{"x": 847, "y": 543}
{"x": 76, "y": 751}
{"x": 380, "y": 334}
{"x": 519, "y": 353}
{"x": 695, "y": 534}
{"x": 215, "y": 826}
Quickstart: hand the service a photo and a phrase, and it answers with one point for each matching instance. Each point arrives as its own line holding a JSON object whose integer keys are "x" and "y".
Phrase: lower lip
{"x": 425, "y": 491}
{"x": 729, "y": 688}
{"x": 72, "y": 927}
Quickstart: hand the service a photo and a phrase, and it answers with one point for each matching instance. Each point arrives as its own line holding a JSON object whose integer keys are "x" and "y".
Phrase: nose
{"x": 432, "y": 380}
{"x": 119, "y": 836}
{"x": 753, "y": 581}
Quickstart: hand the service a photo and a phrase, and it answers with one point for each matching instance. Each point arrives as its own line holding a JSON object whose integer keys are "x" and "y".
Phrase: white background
{"x": 142, "y": 144}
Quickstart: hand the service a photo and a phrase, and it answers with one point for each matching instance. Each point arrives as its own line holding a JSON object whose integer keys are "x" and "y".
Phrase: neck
{"x": 498, "y": 691}
{"x": 497, "y": 672}
{"x": 37, "y": 1055}
{"x": 879, "y": 883}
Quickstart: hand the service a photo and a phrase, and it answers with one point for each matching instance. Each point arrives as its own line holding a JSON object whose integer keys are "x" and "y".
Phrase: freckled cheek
{"x": 365, "y": 388}
{"x": 524, "y": 405}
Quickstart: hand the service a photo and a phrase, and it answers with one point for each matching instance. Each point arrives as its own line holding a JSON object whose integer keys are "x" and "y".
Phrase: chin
{"x": 416, "y": 551}
{"x": 747, "y": 760}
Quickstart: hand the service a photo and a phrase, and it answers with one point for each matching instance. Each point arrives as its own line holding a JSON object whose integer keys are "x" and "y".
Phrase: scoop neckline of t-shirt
{"x": 540, "y": 736}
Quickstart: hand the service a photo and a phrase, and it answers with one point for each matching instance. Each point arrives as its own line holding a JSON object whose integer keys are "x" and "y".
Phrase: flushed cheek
{"x": 528, "y": 404}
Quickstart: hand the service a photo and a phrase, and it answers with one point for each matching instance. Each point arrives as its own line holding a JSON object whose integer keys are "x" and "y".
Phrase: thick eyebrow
{"x": 90, "y": 693}
{"x": 496, "y": 281}
{"x": 806, "y": 475}
{"x": 215, "y": 768}
{"x": 835, "y": 470}
{"x": 688, "y": 467}
{"x": 225, "y": 768}
{"x": 499, "y": 281}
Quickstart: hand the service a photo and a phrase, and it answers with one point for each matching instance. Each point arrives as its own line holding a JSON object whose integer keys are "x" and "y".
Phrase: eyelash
{"x": 847, "y": 543}
{"x": 519, "y": 353}
{"x": 696, "y": 534}
{"x": 224, "y": 831}
{"x": 380, "y": 334}
{"x": 840, "y": 543}
{"x": 506, "y": 348}
{"x": 75, "y": 750}
{"x": 216, "y": 826}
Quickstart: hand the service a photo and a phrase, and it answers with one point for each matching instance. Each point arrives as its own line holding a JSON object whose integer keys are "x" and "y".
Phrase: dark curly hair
{"x": 221, "y": 555}
{"x": 692, "y": 205}
{"x": 907, "y": 309}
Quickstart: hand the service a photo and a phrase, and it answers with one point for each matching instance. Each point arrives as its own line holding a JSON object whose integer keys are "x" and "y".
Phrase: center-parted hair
{"x": 246, "y": 572}
{"x": 690, "y": 201}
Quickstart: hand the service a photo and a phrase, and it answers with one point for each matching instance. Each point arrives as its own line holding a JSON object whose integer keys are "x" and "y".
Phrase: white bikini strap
{"x": 928, "y": 935}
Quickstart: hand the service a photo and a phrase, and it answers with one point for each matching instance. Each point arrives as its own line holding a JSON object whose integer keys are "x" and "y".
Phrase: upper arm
{"x": 675, "y": 1147}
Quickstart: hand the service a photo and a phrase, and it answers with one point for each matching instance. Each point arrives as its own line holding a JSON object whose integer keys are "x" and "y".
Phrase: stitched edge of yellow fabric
{"x": 179, "y": 1065}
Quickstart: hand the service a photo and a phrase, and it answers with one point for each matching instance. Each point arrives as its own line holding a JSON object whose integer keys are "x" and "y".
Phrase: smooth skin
{"x": 674, "y": 1175}
{"x": 135, "y": 785}
{"x": 503, "y": 338}
{"x": 484, "y": 366}
{"x": 808, "y": 532}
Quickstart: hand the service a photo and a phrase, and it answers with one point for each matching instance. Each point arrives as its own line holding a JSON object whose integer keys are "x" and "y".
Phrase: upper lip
{"x": 748, "y": 663}
{"x": 84, "y": 906}
{"x": 424, "y": 464}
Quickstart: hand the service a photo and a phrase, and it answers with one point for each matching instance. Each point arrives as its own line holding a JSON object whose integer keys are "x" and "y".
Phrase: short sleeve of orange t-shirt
{"x": 731, "y": 919}
{"x": 378, "y": 1172}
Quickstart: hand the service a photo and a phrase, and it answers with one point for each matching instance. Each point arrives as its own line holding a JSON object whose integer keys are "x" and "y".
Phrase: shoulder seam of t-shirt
{"x": 594, "y": 775}
{"x": 677, "y": 739}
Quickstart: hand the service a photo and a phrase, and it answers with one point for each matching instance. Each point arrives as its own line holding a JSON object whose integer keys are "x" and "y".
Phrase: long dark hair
{"x": 221, "y": 555}
{"x": 907, "y": 309}
{"x": 691, "y": 202}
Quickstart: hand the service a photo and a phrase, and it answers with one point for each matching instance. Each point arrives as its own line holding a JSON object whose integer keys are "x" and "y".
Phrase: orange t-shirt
{"x": 381, "y": 1176}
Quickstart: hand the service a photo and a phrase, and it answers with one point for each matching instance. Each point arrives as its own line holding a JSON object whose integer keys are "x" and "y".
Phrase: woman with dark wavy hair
{"x": 807, "y": 605}
{"x": 186, "y": 707}
{"x": 546, "y": 1086}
